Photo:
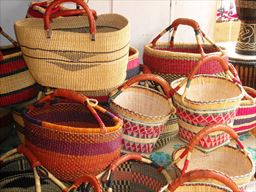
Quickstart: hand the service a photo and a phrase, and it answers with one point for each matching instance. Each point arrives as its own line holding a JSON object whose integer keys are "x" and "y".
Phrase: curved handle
{"x": 85, "y": 179}
{"x": 203, "y": 174}
{"x": 72, "y": 12}
{"x": 204, "y": 132}
{"x": 147, "y": 77}
{"x": 250, "y": 96}
{"x": 48, "y": 13}
{"x": 145, "y": 69}
{"x": 185, "y": 21}
{"x": 29, "y": 155}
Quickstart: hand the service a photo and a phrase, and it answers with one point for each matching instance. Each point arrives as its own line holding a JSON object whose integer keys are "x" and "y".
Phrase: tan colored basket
{"x": 225, "y": 159}
{"x": 73, "y": 55}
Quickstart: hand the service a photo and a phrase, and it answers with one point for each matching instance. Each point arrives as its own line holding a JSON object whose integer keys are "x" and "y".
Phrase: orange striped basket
{"x": 69, "y": 137}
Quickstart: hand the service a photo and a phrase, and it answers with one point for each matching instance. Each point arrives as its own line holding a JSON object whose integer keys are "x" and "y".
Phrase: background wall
{"x": 147, "y": 17}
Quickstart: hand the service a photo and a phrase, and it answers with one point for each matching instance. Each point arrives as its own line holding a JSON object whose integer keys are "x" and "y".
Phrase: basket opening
{"x": 73, "y": 114}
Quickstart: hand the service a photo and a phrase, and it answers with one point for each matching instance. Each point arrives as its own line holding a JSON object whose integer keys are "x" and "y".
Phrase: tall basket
{"x": 204, "y": 100}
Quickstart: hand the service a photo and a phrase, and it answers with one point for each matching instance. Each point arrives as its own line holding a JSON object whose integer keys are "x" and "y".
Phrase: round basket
{"x": 133, "y": 67}
{"x": 133, "y": 172}
{"x": 69, "y": 137}
{"x": 22, "y": 172}
{"x": 143, "y": 110}
{"x": 224, "y": 159}
{"x": 175, "y": 60}
{"x": 188, "y": 182}
{"x": 204, "y": 100}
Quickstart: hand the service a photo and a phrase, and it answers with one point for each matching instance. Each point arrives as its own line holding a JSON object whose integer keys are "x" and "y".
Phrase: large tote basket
{"x": 225, "y": 159}
{"x": 188, "y": 182}
{"x": 174, "y": 60}
{"x": 133, "y": 172}
{"x": 16, "y": 82}
{"x": 204, "y": 100}
{"x": 21, "y": 171}
{"x": 143, "y": 110}
{"x": 76, "y": 52}
{"x": 69, "y": 137}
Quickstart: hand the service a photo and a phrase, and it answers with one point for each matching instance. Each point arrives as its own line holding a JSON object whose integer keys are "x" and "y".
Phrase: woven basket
{"x": 70, "y": 139}
{"x": 5, "y": 123}
{"x": 143, "y": 110}
{"x": 188, "y": 182}
{"x": 72, "y": 55}
{"x": 133, "y": 67}
{"x": 204, "y": 100}
{"x": 224, "y": 159}
{"x": 16, "y": 83}
{"x": 132, "y": 172}
{"x": 173, "y": 61}
{"x": 245, "y": 119}
{"x": 22, "y": 172}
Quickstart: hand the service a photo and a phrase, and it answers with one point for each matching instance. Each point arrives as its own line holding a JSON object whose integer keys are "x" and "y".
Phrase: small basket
{"x": 22, "y": 172}
{"x": 188, "y": 182}
{"x": 225, "y": 159}
{"x": 133, "y": 67}
{"x": 69, "y": 137}
{"x": 204, "y": 100}
{"x": 133, "y": 172}
{"x": 16, "y": 83}
{"x": 245, "y": 119}
{"x": 143, "y": 110}
{"x": 175, "y": 60}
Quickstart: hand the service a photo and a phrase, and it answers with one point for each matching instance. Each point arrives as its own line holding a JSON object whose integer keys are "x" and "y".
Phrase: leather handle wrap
{"x": 185, "y": 21}
{"x": 72, "y": 12}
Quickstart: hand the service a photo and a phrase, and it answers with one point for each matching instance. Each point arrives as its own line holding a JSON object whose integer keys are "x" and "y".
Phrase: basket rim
{"x": 134, "y": 53}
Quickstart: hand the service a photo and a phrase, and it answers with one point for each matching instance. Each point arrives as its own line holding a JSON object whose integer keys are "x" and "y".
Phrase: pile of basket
{"x": 81, "y": 60}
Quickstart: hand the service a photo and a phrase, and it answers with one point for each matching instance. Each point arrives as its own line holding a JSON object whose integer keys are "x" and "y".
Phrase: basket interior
{"x": 143, "y": 101}
{"x": 205, "y": 89}
{"x": 69, "y": 114}
{"x": 135, "y": 176}
{"x": 224, "y": 159}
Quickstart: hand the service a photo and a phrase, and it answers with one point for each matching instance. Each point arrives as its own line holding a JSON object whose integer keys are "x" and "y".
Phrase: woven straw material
{"x": 224, "y": 159}
{"x": 74, "y": 145}
{"x": 70, "y": 59}
{"x": 133, "y": 67}
{"x": 245, "y": 119}
{"x": 201, "y": 187}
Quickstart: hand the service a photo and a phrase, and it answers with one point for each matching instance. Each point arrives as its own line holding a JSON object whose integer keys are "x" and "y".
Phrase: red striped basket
{"x": 16, "y": 83}
{"x": 69, "y": 137}
{"x": 133, "y": 67}
{"x": 174, "y": 60}
{"x": 245, "y": 119}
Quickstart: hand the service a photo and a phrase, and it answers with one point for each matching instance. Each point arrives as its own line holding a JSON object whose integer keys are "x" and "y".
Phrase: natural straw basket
{"x": 204, "y": 100}
{"x": 188, "y": 182}
{"x": 133, "y": 172}
{"x": 69, "y": 137}
{"x": 22, "y": 172}
{"x": 133, "y": 67}
{"x": 16, "y": 82}
{"x": 225, "y": 159}
{"x": 72, "y": 55}
{"x": 174, "y": 60}
{"x": 143, "y": 110}
{"x": 245, "y": 119}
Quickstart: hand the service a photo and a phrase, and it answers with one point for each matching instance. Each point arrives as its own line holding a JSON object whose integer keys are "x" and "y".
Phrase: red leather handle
{"x": 72, "y": 12}
{"x": 72, "y": 95}
{"x": 125, "y": 158}
{"x": 185, "y": 21}
{"x": 48, "y": 13}
{"x": 148, "y": 77}
{"x": 85, "y": 179}
{"x": 29, "y": 155}
{"x": 203, "y": 174}
{"x": 145, "y": 69}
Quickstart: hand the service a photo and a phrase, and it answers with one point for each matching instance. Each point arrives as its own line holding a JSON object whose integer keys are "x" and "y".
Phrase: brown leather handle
{"x": 203, "y": 174}
{"x": 48, "y": 13}
{"x": 148, "y": 77}
{"x": 72, "y": 12}
{"x": 185, "y": 21}
{"x": 85, "y": 179}
{"x": 125, "y": 158}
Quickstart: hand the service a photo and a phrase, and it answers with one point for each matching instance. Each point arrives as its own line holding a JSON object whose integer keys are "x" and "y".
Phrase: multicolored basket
{"x": 225, "y": 159}
{"x": 72, "y": 55}
{"x": 173, "y": 61}
{"x": 16, "y": 83}
{"x": 245, "y": 119}
{"x": 22, "y": 172}
{"x": 133, "y": 172}
{"x": 133, "y": 67}
{"x": 204, "y": 100}
{"x": 69, "y": 137}
{"x": 143, "y": 110}
{"x": 188, "y": 182}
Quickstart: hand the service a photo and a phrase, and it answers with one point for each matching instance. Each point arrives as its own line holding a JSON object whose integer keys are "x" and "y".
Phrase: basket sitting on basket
{"x": 69, "y": 137}
{"x": 203, "y": 100}
{"x": 143, "y": 110}
{"x": 225, "y": 159}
